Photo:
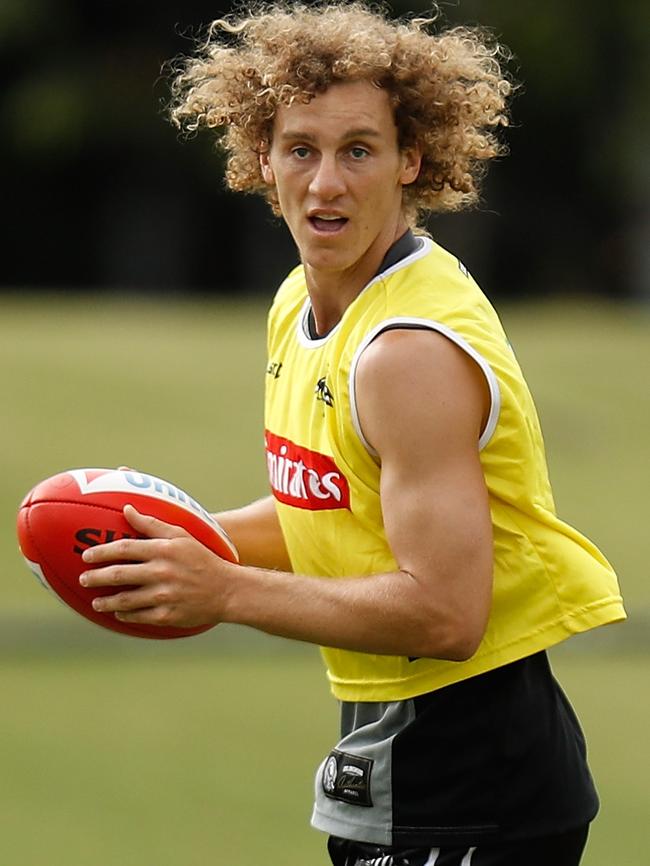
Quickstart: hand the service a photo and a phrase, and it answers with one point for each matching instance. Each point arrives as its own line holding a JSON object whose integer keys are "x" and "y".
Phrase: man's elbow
{"x": 461, "y": 650}
{"x": 452, "y": 625}
{"x": 453, "y": 642}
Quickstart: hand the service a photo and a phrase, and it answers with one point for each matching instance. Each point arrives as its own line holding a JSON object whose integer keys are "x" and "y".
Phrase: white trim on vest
{"x": 302, "y": 330}
{"x": 431, "y": 325}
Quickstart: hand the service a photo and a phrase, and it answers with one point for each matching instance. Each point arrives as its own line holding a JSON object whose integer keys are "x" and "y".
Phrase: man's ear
{"x": 265, "y": 166}
{"x": 411, "y": 162}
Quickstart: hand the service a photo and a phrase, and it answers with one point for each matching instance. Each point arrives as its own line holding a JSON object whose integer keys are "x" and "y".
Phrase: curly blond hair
{"x": 448, "y": 89}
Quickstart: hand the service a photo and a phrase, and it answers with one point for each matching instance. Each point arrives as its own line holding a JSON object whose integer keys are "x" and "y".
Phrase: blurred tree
{"x": 99, "y": 191}
{"x": 576, "y": 194}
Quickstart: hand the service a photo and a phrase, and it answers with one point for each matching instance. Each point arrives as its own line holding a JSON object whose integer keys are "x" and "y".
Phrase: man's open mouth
{"x": 327, "y": 223}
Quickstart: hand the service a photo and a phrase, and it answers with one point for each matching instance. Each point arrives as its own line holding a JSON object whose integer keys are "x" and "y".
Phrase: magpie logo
{"x": 329, "y": 775}
{"x": 323, "y": 393}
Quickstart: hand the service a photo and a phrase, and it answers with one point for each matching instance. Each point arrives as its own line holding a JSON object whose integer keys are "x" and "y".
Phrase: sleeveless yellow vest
{"x": 549, "y": 581}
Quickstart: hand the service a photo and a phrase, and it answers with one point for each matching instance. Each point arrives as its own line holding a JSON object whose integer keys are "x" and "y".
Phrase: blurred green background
{"x": 121, "y": 343}
{"x": 121, "y": 751}
{"x": 104, "y": 195}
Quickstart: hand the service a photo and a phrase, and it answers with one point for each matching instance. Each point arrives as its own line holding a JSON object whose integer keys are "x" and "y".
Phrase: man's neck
{"x": 332, "y": 292}
{"x": 404, "y": 246}
{"x": 330, "y": 298}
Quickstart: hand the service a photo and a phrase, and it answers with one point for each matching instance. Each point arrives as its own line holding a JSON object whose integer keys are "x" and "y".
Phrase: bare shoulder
{"x": 417, "y": 380}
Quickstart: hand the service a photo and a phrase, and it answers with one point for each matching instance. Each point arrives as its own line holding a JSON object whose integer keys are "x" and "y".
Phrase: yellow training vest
{"x": 549, "y": 581}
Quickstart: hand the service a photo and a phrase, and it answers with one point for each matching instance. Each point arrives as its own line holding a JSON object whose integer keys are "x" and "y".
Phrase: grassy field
{"x": 175, "y": 760}
{"x": 120, "y": 751}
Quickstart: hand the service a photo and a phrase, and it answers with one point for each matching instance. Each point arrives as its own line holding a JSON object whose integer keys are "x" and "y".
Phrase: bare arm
{"x": 256, "y": 533}
{"x": 421, "y": 403}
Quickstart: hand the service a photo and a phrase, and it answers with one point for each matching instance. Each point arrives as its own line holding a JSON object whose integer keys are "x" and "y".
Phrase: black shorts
{"x": 564, "y": 849}
{"x": 495, "y": 759}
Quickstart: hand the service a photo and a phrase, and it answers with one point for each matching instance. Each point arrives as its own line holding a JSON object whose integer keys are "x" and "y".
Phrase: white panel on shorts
{"x": 378, "y": 724}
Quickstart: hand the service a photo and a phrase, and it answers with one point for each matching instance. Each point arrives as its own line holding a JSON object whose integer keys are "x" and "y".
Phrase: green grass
{"x": 613, "y": 702}
{"x": 172, "y": 758}
{"x": 134, "y": 752}
{"x": 587, "y": 367}
{"x": 162, "y": 760}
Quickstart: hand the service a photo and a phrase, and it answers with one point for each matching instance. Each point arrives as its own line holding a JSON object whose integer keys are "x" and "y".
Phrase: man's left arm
{"x": 423, "y": 403}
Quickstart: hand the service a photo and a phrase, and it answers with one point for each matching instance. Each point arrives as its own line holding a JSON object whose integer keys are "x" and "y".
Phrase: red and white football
{"x": 80, "y": 508}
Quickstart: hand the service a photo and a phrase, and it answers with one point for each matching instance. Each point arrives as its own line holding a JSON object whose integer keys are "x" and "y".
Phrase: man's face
{"x": 338, "y": 173}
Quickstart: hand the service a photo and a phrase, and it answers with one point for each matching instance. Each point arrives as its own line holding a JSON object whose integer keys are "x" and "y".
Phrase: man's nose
{"x": 328, "y": 181}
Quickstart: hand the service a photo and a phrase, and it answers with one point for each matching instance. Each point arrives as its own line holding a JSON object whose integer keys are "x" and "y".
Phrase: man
{"x": 411, "y": 531}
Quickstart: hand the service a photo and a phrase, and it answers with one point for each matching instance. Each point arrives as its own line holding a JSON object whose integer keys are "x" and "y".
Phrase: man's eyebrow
{"x": 363, "y": 132}
{"x": 360, "y": 132}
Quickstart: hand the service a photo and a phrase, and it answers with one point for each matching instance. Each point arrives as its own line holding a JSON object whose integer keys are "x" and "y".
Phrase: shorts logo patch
{"x": 347, "y": 778}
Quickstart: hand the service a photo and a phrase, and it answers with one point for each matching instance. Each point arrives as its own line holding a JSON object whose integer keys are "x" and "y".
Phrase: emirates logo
{"x": 304, "y": 478}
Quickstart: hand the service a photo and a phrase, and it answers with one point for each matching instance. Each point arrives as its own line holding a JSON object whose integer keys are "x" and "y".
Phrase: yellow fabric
{"x": 549, "y": 581}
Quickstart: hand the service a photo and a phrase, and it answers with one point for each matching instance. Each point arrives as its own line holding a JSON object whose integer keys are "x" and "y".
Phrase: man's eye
{"x": 300, "y": 152}
{"x": 358, "y": 152}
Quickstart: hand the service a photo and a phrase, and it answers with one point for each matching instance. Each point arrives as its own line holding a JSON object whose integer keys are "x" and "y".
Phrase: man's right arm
{"x": 255, "y": 531}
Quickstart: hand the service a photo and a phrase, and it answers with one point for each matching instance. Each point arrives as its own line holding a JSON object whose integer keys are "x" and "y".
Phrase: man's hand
{"x": 166, "y": 579}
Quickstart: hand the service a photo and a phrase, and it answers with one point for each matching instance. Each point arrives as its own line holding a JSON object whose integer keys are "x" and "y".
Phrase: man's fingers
{"x": 122, "y": 550}
{"x": 133, "y": 600}
{"x": 139, "y": 605}
{"x": 130, "y": 574}
{"x": 134, "y": 549}
{"x": 151, "y": 526}
{"x": 147, "y": 616}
